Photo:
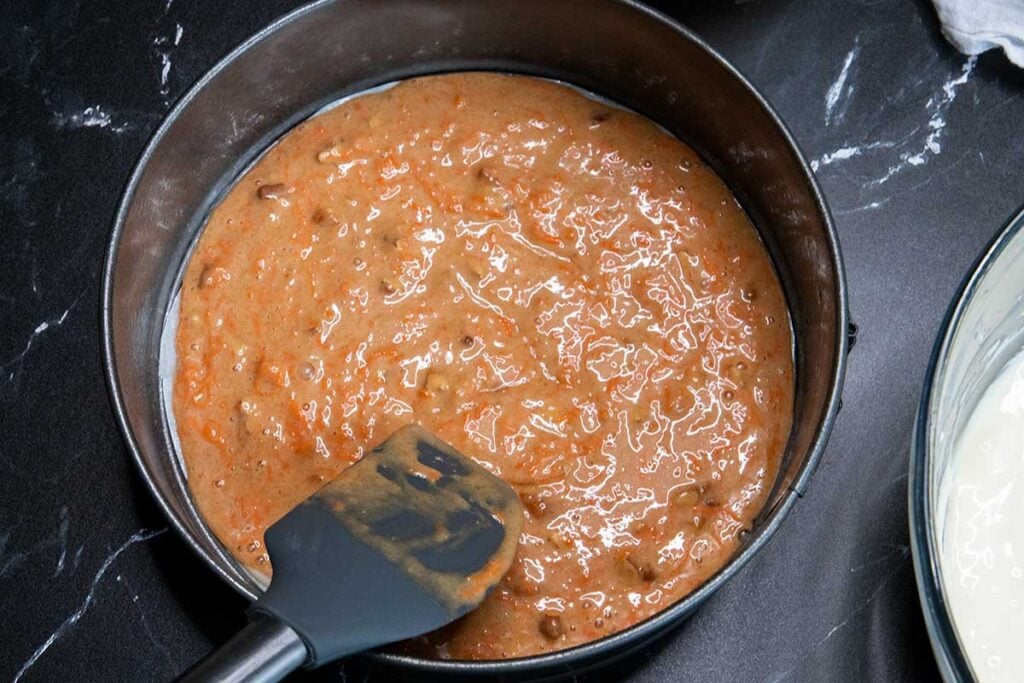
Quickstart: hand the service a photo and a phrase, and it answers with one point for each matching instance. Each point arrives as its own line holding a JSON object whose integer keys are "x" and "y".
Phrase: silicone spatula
{"x": 408, "y": 539}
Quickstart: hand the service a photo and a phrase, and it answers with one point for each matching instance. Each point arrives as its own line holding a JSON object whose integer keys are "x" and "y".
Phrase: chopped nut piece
{"x": 645, "y": 570}
{"x": 272, "y": 191}
{"x": 207, "y": 277}
{"x": 534, "y": 503}
{"x": 560, "y": 540}
{"x": 484, "y": 174}
{"x": 551, "y": 626}
{"x": 332, "y": 152}
{"x": 687, "y": 498}
{"x": 306, "y": 370}
{"x": 322, "y": 216}
{"x": 436, "y": 383}
{"x": 519, "y": 582}
{"x": 392, "y": 240}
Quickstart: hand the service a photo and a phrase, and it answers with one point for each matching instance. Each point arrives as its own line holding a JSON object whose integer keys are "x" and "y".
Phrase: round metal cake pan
{"x": 617, "y": 49}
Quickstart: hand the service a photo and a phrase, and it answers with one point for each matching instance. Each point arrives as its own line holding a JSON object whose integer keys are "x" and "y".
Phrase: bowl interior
{"x": 334, "y": 48}
{"x": 984, "y": 330}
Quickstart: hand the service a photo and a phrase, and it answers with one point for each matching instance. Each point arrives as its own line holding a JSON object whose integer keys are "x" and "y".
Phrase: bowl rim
{"x": 953, "y": 662}
{"x": 621, "y": 642}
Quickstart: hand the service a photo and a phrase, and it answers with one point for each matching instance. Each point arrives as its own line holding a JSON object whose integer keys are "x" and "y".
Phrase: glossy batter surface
{"x": 555, "y": 287}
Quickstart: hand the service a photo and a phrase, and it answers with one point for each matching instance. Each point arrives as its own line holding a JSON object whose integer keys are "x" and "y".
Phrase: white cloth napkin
{"x": 974, "y": 26}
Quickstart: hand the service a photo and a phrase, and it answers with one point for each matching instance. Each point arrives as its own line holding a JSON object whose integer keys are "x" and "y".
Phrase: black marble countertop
{"x": 919, "y": 151}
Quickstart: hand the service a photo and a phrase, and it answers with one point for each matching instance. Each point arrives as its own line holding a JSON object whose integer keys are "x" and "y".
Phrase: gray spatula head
{"x": 408, "y": 539}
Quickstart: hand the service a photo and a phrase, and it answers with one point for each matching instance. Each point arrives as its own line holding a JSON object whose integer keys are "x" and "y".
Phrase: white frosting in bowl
{"x": 983, "y": 537}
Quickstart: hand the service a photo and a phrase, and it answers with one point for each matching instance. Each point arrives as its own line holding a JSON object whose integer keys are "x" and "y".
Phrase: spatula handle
{"x": 266, "y": 650}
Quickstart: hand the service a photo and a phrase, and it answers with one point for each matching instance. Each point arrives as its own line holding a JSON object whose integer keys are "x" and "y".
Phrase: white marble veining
{"x": 62, "y": 541}
{"x": 165, "y": 45}
{"x": 10, "y": 370}
{"x": 88, "y": 601}
{"x": 915, "y": 148}
{"x": 11, "y": 560}
{"x": 134, "y": 596}
{"x": 844, "y": 153}
{"x": 937, "y": 107}
{"x": 902, "y": 554}
{"x": 89, "y": 117}
{"x": 839, "y": 90}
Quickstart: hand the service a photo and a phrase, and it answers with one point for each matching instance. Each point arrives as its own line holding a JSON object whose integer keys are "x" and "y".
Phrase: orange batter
{"x": 555, "y": 287}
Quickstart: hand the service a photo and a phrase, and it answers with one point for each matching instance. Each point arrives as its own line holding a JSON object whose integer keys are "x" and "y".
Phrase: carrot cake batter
{"x": 555, "y": 287}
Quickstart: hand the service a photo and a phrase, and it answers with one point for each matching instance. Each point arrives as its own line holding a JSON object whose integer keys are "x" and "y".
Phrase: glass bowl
{"x": 982, "y": 331}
